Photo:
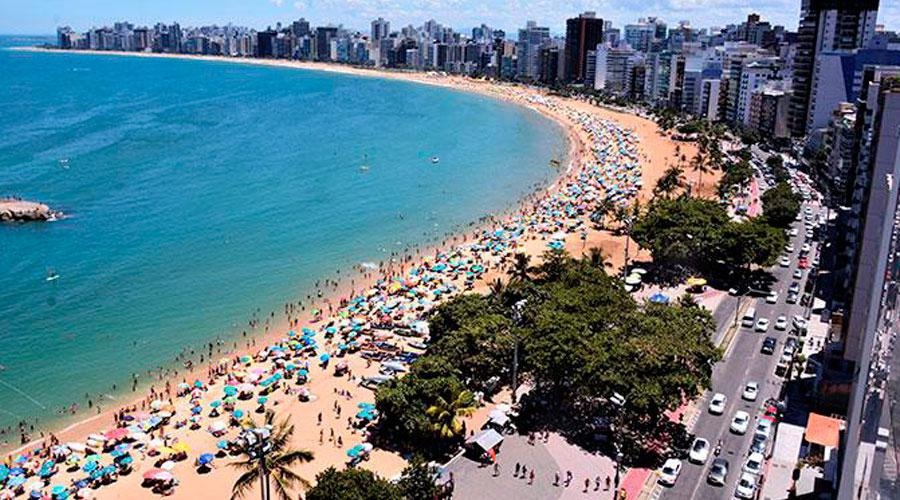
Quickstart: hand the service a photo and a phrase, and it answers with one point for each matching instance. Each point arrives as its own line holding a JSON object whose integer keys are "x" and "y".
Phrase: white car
{"x": 717, "y": 403}
{"x": 746, "y": 486}
{"x": 794, "y": 232}
{"x": 751, "y": 391}
{"x": 798, "y": 274}
{"x": 789, "y": 248}
{"x": 669, "y": 472}
{"x": 762, "y": 325}
{"x": 740, "y": 422}
{"x": 805, "y": 248}
{"x": 763, "y": 428}
{"x": 772, "y": 298}
{"x": 800, "y": 323}
{"x": 781, "y": 323}
{"x": 784, "y": 261}
{"x": 754, "y": 464}
{"x": 699, "y": 451}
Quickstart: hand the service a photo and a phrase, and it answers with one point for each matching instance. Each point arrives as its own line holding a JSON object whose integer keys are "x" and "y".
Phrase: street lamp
{"x": 255, "y": 443}
{"x": 517, "y": 309}
{"x": 619, "y": 401}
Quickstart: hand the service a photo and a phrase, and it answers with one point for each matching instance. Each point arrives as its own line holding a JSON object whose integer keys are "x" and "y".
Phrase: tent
{"x": 487, "y": 440}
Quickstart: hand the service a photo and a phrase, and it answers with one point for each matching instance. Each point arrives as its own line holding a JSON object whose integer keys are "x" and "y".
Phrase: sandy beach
{"x": 470, "y": 261}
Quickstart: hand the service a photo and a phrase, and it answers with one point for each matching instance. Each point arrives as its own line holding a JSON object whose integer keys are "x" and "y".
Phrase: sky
{"x": 43, "y": 16}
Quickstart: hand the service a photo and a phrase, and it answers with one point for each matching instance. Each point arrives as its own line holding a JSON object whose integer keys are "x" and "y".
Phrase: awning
{"x": 823, "y": 431}
{"x": 486, "y": 440}
{"x": 498, "y": 417}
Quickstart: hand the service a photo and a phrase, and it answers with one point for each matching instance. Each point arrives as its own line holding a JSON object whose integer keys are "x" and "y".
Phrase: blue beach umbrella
{"x": 238, "y": 413}
{"x": 230, "y": 390}
{"x": 196, "y": 410}
{"x": 96, "y": 473}
{"x": 90, "y": 466}
{"x": 58, "y": 490}
{"x": 324, "y": 357}
{"x": 262, "y": 400}
{"x": 15, "y": 481}
{"x": 216, "y": 404}
{"x": 109, "y": 470}
{"x": 222, "y": 444}
{"x": 659, "y": 298}
{"x": 124, "y": 460}
{"x": 205, "y": 458}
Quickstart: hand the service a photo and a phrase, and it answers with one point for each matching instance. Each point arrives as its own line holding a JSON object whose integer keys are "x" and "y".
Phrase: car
{"x": 803, "y": 264}
{"x": 794, "y": 232}
{"x": 770, "y": 413}
{"x": 792, "y": 298}
{"x": 758, "y": 445}
{"x": 772, "y": 297}
{"x": 754, "y": 464}
{"x": 805, "y": 248}
{"x": 746, "y": 486}
{"x": 815, "y": 261}
{"x": 717, "y": 403}
{"x": 789, "y": 248}
{"x": 762, "y": 325}
{"x": 768, "y": 345}
{"x": 751, "y": 391}
{"x": 794, "y": 288}
{"x": 669, "y": 472}
{"x": 699, "y": 451}
{"x": 799, "y": 323}
{"x": 740, "y": 422}
{"x": 809, "y": 235}
{"x": 784, "y": 261}
{"x": 718, "y": 472}
{"x": 799, "y": 217}
{"x": 798, "y": 274}
{"x": 763, "y": 428}
{"x": 790, "y": 346}
{"x": 781, "y": 323}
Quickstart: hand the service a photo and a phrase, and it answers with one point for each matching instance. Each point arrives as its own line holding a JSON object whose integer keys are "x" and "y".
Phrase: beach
{"x": 555, "y": 218}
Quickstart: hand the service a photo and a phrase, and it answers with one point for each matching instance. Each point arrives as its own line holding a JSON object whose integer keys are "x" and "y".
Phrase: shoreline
{"x": 528, "y": 97}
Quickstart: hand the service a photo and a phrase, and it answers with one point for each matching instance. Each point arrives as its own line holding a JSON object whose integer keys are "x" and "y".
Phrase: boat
{"x": 64, "y": 163}
{"x": 51, "y": 276}
{"x": 365, "y": 166}
{"x": 554, "y": 163}
{"x": 435, "y": 159}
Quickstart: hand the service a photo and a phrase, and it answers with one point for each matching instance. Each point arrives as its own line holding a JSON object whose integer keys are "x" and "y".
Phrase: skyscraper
{"x": 826, "y": 25}
{"x": 528, "y": 50}
{"x": 324, "y": 35}
{"x": 380, "y": 29}
{"x": 583, "y": 34}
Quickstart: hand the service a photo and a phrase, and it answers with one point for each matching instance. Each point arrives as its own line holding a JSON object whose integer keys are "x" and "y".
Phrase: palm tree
{"x": 521, "y": 267}
{"x": 598, "y": 258}
{"x": 497, "y": 287}
{"x": 277, "y": 462}
{"x": 671, "y": 180}
{"x": 698, "y": 164}
{"x": 444, "y": 414}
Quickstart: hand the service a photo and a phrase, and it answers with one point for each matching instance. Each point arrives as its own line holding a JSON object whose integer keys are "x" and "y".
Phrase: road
{"x": 742, "y": 362}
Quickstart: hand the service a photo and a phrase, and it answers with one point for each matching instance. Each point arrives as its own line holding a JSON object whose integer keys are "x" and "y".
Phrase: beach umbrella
{"x": 222, "y": 444}
{"x": 215, "y": 404}
{"x": 324, "y": 357}
{"x": 152, "y": 474}
{"x": 15, "y": 481}
{"x": 34, "y": 485}
{"x": 90, "y": 466}
{"x": 196, "y": 410}
{"x": 116, "y": 434}
{"x": 659, "y": 298}
{"x": 696, "y": 282}
{"x": 4, "y": 472}
{"x": 168, "y": 465}
{"x": 205, "y": 459}
{"x": 124, "y": 460}
{"x": 217, "y": 426}
{"x": 181, "y": 447}
{"x": 237, "y": 413}
{"x": 58, "y": 490}
{"x": 109, "y": 470}
{"x": 230, "y": 390}
{"x": 262, "y": 400}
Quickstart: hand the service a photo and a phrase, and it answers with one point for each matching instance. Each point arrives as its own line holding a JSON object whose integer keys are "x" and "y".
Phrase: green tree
{"x": 445, "y": 413}
{"x": 278, "y": 462}
{"x": 681, "y": 232}
{"x": 671, "y": 181}
{"x": 352, "y": 484}
{"x": 735, "y": 174}
{"x": 417, "y": 481}
{"x": 751, "y": 242}
{"x": 521, "y": 267}
{"x": 780, "y": 205}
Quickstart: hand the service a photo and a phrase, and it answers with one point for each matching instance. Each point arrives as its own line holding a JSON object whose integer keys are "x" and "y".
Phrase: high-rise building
{"x": 583, "y": 34}
{"x": 380, "y": 29}
{"x": 825, "y": 25}
{"x": 640, "y": 36}
{"x": 614, "y": 69}
{"x": 265, "y": 43}
{"x": 528, "y": 50}
{"x": 324, "y": 36}
{"x": 300, "y": 28}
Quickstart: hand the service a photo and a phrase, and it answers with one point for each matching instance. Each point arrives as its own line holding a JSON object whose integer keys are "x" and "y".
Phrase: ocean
{"x": 198, "y": 193}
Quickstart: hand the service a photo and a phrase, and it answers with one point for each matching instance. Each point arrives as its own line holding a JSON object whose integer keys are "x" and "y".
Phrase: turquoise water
{"x": 199, "y": 192}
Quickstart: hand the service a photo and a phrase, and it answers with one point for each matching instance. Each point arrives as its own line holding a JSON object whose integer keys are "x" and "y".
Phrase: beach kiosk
{"x": 484, "y": 446}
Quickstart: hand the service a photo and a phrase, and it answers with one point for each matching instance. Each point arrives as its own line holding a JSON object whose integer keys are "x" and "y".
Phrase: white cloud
{"x": 300, "y": 5}
{"x": 277, "y": 3}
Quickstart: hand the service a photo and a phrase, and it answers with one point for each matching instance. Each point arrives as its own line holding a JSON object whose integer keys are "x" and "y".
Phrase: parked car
{"x": 794, "y": 288}
{"x": 746, "y": 486}
{"x": 717, "y": 403}
{"x": 740, "y": 422}
{"x": 758, "y": 444}
{"x": 791, "y": 298}
{"x": 751, "y": 391}
{"x": 784, "y": 261}
{"x": 754, "y": 464}
{"x": 762, "y": 325}
{"x": 699, "y": 451}
{"x": 669, "y": 472}
{"x": 798, "y": 274}
{"x": 718, "y": 472}
{"x": 763, "y": 428}
{"x": 772, "y": 297}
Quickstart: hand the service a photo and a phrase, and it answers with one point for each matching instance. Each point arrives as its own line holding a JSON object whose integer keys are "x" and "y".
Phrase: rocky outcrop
{"x": 13, "y": 210}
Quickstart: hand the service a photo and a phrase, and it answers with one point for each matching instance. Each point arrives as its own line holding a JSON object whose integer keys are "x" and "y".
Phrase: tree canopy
{"x": 780, "y": 205}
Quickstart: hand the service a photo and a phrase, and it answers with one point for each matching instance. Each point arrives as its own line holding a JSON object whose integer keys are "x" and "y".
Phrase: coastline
{"x": 578, "y": 150}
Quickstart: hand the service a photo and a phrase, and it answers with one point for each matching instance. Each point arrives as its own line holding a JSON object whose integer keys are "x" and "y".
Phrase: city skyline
{"x": 43, "y": 18}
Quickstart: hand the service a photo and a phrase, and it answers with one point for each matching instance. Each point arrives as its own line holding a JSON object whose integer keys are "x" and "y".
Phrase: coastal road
{"x": 743, "y": 362}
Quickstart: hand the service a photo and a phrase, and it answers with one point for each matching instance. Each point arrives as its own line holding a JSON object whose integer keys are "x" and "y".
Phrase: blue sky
{"x": 42, "y": 16}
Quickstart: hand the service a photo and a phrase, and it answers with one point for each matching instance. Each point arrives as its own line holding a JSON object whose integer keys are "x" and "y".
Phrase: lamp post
{"x": 619, "y": 401}
{"x": 517, "y": 309}
{"x": 256, "y": 444}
